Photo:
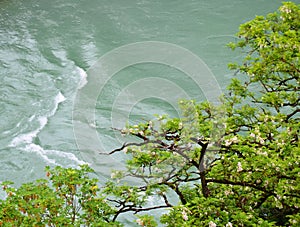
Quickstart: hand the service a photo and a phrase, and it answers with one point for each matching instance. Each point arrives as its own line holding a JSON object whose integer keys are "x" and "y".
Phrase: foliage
{"x": 69, "y": 197}
{"x": 235, "y": 164}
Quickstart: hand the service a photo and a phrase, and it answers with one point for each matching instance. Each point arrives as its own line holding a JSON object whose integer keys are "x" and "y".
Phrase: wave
{"x": 25, "y": 141}
{"x": 27, "y": 138}
{"x": 45, "y": 154}
{"x": 42, "y": 120}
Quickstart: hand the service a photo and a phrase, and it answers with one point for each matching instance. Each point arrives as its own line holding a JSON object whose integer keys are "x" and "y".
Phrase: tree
{"x": 70, "y": 197}
{"x": 237, "y": 168}
{"x": 235, "y": 164}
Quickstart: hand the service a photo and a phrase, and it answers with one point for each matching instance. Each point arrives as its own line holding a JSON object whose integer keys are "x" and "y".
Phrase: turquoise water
{"x": 48, "y": 46}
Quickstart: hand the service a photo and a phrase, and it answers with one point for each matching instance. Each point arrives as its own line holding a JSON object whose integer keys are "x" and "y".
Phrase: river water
{"x": 47, "y": 47}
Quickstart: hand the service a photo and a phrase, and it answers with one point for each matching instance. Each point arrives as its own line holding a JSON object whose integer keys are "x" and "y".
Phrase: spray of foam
{"x": 83, "y": 77}
{"x": 46, "y": 153}
{"x": 26, "y": 140}
{"x": 43, "y": 120}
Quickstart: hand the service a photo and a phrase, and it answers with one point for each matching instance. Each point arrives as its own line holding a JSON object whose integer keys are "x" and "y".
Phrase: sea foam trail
{"x": 45, "y": 154}
{"x": 27, "y": 138}
{"x": 25, "y": 141}
{"x": 83, "y": 77}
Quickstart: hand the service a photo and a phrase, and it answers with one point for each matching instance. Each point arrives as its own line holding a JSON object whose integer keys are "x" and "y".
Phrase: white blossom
{"x": 212, "y": 224}
{"x": 227, "y": 143}
{"x": 231, "y": 141}
{"x": 113, "y": 175}
{"x": 180, "y": 125}
{"x": 239, "y": 167}
{"x": 229, "y": 224}
{"x": 184, "y": 215}
{"x": 235, "y": 139}
{"x": 140, "y": 222}
{"x": 226, "y": 192}
{"x": 285, "y": 9}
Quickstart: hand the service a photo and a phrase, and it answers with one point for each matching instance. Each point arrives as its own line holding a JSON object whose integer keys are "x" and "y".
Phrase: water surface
{"x": 47, "y": 46}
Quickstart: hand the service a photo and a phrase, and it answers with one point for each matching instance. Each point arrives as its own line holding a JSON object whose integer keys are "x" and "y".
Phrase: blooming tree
{"x": 235, "y": 164}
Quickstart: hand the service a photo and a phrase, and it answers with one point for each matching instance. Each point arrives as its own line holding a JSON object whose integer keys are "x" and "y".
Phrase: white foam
{"x": 25, "y": 141}
{"x": 45, "y": 153}
{"x": 17, "y": 126}
{"x": 83, "y": 77}
{"x": 43, "y": 121}
{"x": 66, "y": 155}
{"x": 40, "y": 151}
{"x": 27, "y": 138}
{"x": 31, "y": 118}
{"x": 59, "y": 98}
